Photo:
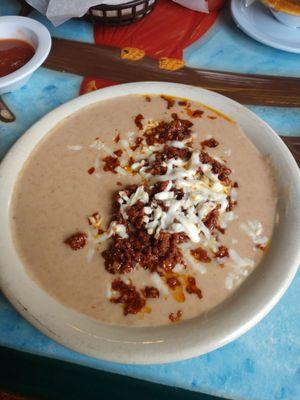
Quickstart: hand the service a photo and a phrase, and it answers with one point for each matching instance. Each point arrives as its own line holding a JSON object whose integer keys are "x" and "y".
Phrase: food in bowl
{"x": 143, "y": 210}
{"x": 14, "y": 53}
{"x": 286, "y": 11}
{"x": 288, "y": 6}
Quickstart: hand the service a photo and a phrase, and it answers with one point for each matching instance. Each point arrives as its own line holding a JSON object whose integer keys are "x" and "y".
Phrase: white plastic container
{"x": 33, "y": 32}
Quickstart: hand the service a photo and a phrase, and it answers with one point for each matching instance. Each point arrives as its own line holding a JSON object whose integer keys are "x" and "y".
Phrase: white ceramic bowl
{"x": 33, "y": 32}
{"x": 287, "y": 19}
{"x": 250, "y": 303}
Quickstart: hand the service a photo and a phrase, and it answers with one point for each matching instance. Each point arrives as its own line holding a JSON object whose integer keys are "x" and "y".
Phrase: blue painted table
{"x": 265, "y": 362}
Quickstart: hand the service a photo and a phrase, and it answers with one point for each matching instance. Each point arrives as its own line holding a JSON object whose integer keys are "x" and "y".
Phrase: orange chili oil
{"x": 14, "y": 53}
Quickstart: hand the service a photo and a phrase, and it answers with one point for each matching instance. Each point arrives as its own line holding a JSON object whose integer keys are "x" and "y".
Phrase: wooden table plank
{"x": 88, "y": 59}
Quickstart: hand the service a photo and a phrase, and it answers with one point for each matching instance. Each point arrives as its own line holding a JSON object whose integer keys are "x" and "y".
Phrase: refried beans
{"x": 143, "y": 210}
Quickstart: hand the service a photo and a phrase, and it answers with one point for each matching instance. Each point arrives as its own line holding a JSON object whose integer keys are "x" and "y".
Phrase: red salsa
{"x": 14, "y": 53}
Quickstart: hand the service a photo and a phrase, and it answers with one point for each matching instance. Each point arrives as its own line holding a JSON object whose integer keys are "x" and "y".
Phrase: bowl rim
{"x": 135, "y": 352}
{"x": 41, "y": 52}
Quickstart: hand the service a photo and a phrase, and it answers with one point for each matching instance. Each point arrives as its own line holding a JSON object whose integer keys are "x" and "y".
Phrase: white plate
{"x": 258, "y": 22}
{"x": 254, "y": 299}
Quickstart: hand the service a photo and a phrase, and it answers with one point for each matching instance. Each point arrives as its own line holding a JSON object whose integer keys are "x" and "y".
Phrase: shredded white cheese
{"x": 99, "y": 145}
{"x": 192, "y": 192}
{"x": 200, "y": 193}
{"x": 240, "y": 262}
{"x": 90, "y": 254}
{"x": 254, "y": 230}
{"x": 74, "y": 147}
{"x": 241, "y": 267}
{"x": 159, "y": 283}
{"x": 228, "y": 152}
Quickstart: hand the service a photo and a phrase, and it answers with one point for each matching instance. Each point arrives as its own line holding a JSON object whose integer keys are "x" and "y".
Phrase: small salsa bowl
{"x": 32, "y": 32}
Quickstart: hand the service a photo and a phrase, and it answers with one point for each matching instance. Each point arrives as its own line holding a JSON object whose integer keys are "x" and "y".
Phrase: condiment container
{"x": 33, "y": 32}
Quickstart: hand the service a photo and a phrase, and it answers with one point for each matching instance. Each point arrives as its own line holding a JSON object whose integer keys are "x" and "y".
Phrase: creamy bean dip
{"x": 143, "y": 210}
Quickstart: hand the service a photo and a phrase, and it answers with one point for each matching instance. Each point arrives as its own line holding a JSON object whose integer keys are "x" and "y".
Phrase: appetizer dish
{"x": 143, "y": 210}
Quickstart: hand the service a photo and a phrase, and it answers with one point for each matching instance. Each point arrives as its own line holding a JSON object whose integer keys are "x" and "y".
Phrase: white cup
{"x": 33, "y": 32}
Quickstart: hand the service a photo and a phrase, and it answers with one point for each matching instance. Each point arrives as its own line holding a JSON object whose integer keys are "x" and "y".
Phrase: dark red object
{"x": 173, "y": 282}
{"x": 77, "y": 241}
{"x": 91, "y": 170}
{"x": 192, "y": 288}
{"x": 175, "y": 317}
{"x": 138, "y": 121}
{"x": 222, "y": 252}
{"x": 14, "y": 53}
{"x": 131, "y": 299}
{"x": 169, "y": 100}
{"x": 209, "y": 143}
{"x": 110, "y": 164}
{"x": 150, "y": 292}
{"x": 200, "y": 255}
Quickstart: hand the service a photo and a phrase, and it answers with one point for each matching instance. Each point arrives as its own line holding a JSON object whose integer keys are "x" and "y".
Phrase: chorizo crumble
{"x": 200, "y": 255}
{"x": 150, "y": 292}
{"x": 110, "y": 164}
{"x": 131, "y": 299}
{"x": 170, "y": 101}
{"x": 209, "y": 143}
{"x": 91, "y": 170}
{"x": 222, "y": 252}
{"x": 178, "y": 129}
{"x": 77, "y": 241}
{"x": 172, "y": 282}
{"x": 175, "y": 317}
{"x": 192, "y": 288}
{"x": 138, "y": 121}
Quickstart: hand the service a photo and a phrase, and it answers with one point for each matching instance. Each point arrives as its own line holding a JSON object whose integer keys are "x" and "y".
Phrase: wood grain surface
{"x": 88, "y": 59}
